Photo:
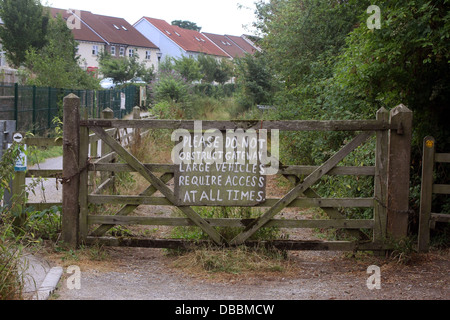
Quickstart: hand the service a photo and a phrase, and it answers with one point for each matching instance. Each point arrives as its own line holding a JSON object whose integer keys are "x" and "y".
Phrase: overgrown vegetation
{"x": 241, "y": 260}
{"x": 330, "y": 65}
{"x": 10, "y": 247}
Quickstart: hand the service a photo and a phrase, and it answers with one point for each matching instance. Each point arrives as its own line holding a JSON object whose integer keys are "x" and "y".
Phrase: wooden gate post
{"x": 107, "y": 114}
{"x": 381, "y": 174}
{"x": 426, "y": 193}
{"x": 71, "y": 177}
{"x": 136, "y": 144}
{"x": 399, "y": 171}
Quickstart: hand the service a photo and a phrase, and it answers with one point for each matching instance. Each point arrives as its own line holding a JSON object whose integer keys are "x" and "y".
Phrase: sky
{"x": 214, "y": 16}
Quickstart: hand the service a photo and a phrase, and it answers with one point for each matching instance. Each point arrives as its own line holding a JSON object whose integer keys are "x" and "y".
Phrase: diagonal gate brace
{"x": 158, "y": 184}
{"x": 126, "y": 210}
{"x": 301, "y": 188}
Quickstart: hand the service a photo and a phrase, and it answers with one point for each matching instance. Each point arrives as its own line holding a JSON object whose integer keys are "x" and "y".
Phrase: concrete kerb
{"x": 40, "y": 279}
{"x": 49, "y": 284}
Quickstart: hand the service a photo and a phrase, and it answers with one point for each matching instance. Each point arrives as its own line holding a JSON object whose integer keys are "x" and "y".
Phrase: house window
{"x": 122, "y": 52}
{"x": 113, "y": 51}
{"x": 124, "y": 28}
{"x": 131, "y": 53}
{"x": 148, "y": 55}
{"x": 116, "y": 27}
{"x": 95, "y": 50}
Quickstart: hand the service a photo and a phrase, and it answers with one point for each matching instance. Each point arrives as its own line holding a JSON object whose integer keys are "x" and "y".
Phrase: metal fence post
{"x": 16, "y": 101}
{"x": 34, "y": 110}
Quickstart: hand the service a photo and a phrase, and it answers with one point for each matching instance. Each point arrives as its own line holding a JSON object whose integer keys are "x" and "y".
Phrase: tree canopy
{"x": 57, "y": 63}
{"x": 186, "y": 25}
{"x": 331, "y": 65}
{"x": 25, "y": 27}
{"x": 124, "y": 68}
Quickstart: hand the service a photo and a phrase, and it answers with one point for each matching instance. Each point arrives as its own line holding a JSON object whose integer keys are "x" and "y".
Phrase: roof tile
{"x": 189, "y": 40}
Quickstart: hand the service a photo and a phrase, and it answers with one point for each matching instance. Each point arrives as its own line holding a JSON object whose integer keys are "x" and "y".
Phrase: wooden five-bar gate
{"x": 389, "y": 202}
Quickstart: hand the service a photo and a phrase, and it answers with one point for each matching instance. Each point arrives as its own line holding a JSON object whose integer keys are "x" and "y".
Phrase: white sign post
{"x": 21, "y": 162}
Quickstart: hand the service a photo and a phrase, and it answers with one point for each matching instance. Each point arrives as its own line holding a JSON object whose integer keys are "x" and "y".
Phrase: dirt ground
{"x": 151, "y": 274}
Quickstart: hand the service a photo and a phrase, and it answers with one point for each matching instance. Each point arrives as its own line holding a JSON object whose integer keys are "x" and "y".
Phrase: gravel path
{"x": 47, "y": 190}
{"x": 147, "y": 274}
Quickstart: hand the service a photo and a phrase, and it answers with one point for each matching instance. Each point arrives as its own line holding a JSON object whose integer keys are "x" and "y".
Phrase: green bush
{"x": 171, "y": 87}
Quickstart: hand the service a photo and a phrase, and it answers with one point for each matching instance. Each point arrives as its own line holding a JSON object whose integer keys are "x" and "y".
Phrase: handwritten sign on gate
{"x": 220, "y": 168}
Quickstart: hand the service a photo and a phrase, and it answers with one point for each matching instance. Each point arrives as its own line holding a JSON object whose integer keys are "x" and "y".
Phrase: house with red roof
{"x": 227, "y": 45}
{"x": 95, "y": 33}
{"x": 176, "y": 42}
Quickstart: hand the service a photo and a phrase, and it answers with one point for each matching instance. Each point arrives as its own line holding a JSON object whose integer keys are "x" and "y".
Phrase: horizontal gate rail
{"x": 285, "y": 125}
{"x": 297, "y": 203}
{"x": 284, "y": 170}
{"x": 235, "y": 223}
{"x": 277, "y": 244}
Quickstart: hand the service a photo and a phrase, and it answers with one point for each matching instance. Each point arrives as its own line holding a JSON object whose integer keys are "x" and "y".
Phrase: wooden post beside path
{"x": 71, "y": 174}
{"x": 399, "y": 171}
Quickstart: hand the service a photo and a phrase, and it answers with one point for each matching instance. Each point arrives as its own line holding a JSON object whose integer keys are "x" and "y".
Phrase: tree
{"x": 256, "y": 80}
{"x": 406, "y": 61}
{"x": 188, "y": 68}
{"x": 213, "y": 70}
{"x": 25, "y": 27}
{"x": 334, "y": 67}
{"x": 124, "y": 68}
{"x": 301, "y": 38}
{"x": 57, "y": 64}
{"x": 186, "y": 25}
{"x": 224, "y": 71}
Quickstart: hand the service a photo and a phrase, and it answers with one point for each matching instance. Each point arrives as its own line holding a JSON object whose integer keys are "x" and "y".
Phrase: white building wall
{"x": 153, "y": 61}
{"x": 87, "y": 58}
{"x": 165, "y": 44}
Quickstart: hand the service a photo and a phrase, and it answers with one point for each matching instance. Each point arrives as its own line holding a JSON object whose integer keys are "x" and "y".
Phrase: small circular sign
{"x": 429, "y": 144}
{"x": 18, "y": 137}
